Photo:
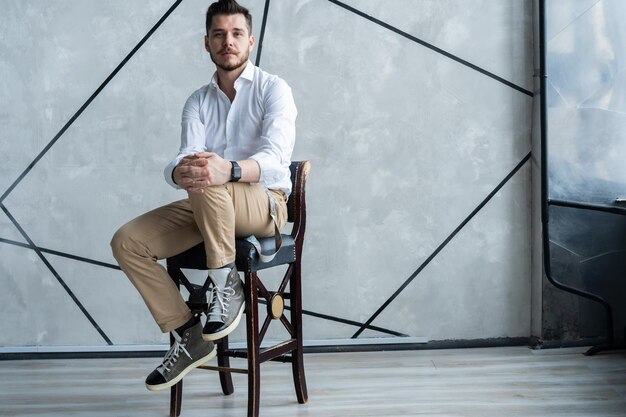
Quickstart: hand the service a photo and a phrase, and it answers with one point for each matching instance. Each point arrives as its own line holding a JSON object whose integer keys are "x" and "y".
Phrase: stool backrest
{"x": 296, "y": 205}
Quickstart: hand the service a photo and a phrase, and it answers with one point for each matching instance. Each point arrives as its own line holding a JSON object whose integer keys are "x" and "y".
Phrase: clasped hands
{"x": 199, "y": 170}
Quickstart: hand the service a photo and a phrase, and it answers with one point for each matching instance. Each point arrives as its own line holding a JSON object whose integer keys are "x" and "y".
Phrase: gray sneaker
{"x": 226, "y": 308}
{"x": 188, "y": 352}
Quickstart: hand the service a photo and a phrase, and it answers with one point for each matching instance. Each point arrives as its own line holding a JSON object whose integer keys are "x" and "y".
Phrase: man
{"x": 238, "y": 134}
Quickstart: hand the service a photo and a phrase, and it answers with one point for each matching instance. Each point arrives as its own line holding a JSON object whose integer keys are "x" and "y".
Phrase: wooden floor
{"x": 471, "y": 382}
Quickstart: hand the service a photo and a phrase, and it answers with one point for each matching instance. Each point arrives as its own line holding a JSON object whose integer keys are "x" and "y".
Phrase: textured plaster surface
{"x": 404, "y": 143}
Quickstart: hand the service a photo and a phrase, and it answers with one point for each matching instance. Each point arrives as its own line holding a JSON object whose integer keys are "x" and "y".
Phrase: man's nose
{"x": 229, "y": 39}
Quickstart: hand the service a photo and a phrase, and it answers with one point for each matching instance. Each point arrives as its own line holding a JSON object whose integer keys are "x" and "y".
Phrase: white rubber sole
{"x": 180, "y": 376}
{"x": 217, "y": 336}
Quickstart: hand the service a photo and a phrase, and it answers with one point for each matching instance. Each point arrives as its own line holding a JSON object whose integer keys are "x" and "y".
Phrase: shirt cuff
{"x": 168, "y": 172}
{"x": 270, "y": 169}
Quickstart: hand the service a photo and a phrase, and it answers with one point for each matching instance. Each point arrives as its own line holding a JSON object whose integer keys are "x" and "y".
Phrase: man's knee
{"x": 213, "y": 194}
{"x": 120, "y": 242}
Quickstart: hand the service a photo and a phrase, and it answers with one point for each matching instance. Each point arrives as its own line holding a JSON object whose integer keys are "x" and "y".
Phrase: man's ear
{"x": 252, "y": 40}
{"x": 206, "y": 43}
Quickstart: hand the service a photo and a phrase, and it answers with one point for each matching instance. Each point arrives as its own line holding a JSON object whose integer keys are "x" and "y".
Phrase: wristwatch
{"x": 235, "y": 172}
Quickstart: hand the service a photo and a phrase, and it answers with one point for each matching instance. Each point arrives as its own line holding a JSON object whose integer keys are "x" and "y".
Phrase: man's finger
{"x": 200, "y": 162}
{"x": 184, "y": 169}
{"x": 190, "y": 171}
{"x": 205, "y": 154}
{"x": 188, "y": 158}
{"x": 197, "y": 185}
{"x": 193, "y": 181}
{"x": 187, "y": 178}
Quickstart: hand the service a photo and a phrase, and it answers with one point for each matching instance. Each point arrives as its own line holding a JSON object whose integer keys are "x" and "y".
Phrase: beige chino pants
{"x": 217, "y": 216}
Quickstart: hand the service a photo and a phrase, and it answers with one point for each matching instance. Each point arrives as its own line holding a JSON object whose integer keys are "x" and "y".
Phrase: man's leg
{"x": 157, "y": 234}
{"x": 223, "y": 213}
{"x": 137, "y": 246}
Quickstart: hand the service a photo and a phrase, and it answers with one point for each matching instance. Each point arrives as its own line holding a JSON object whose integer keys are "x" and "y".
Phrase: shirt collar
{"x": 247, "y": 74}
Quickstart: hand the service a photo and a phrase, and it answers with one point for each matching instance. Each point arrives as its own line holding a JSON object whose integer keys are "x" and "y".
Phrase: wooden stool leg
{"x": 226, "y": 379}
{"x": 176, "y": 393}
{"x": 252, "y": 330}
{"x": 297, "y": 359}
{"x": 176, "y": 399}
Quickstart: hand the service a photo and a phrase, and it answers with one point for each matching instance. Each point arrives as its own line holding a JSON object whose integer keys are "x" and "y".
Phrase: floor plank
{"x": 511, "y": 381}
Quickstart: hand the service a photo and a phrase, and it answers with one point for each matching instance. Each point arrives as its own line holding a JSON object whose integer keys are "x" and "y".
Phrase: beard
{"x": 231, "y": 67}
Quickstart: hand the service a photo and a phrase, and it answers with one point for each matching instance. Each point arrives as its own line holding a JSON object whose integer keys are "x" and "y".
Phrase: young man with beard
{"x": 238, "y": 134}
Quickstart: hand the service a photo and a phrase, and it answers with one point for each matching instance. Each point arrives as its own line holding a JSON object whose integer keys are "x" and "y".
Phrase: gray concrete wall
{"x": 412, "y": 112}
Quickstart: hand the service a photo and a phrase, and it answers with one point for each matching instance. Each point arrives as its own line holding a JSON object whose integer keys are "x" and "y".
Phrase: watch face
{"x": 235, "y": 173}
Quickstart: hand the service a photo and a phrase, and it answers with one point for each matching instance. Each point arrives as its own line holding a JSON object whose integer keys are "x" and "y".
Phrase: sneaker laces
{"x": 220, "y": 301}
{"x": 172, "y": 355}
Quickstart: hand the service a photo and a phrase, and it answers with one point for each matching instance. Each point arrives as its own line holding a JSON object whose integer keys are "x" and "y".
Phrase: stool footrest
{"x": 277, "y": 353}
{"x": 223, "y": 369}
{"x": 278, "y": 350}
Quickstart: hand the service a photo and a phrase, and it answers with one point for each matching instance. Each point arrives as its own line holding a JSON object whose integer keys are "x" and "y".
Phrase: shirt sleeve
{"x": 278, "y": 132}
{"x": 192, "y": 138}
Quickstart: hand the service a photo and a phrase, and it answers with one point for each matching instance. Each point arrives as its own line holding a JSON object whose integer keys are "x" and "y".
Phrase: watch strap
{"x": 235, "y": 171}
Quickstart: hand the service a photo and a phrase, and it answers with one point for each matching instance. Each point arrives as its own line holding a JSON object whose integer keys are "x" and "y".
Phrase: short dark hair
{"x": 227, "y": 7}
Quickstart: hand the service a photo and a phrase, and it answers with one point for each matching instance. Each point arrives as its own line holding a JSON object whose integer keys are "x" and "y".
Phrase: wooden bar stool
{"x": 248, "y": 262}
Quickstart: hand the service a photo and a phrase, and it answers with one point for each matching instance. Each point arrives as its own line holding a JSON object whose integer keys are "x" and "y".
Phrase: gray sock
{"x": 193, "y": 320}
{"x": 219, "y": 276}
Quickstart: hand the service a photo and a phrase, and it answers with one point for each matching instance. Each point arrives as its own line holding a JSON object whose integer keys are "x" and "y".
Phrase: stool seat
{"x": 247, "y": 258}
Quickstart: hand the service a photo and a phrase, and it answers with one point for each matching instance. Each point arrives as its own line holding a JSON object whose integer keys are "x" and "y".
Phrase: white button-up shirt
{"x": 259, "y": 124}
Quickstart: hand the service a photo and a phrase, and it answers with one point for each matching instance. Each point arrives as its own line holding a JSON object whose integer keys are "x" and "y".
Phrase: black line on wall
{"x": 350, "y": 322}
{"x": 353, "y": 323}
{"x": 443, "y": 245}
{"x": 61, "y": 254}
{"x": 432, "y": 47}
{"x": 56, "y": 275}
{"x": 89, "y": 100}
{"x": 262, "y": 34}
